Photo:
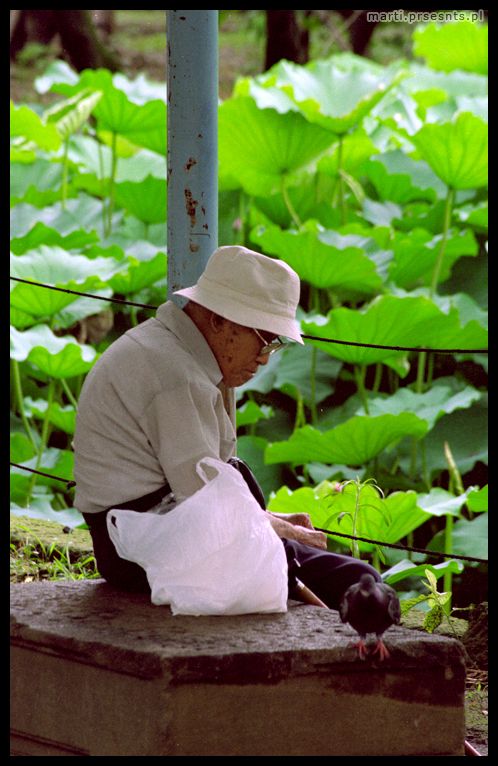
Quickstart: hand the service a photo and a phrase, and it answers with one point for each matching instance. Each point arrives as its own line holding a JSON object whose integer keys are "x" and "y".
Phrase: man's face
{"x": 238, "y": 352}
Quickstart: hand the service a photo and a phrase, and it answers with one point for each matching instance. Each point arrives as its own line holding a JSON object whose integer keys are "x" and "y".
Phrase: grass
{"x": 42, "y": 550}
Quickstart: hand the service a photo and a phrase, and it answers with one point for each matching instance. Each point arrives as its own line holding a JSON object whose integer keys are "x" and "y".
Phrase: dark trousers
{"x": 327, "y": 574}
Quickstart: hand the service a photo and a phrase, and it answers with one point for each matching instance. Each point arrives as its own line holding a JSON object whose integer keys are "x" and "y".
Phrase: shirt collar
{"x": 176, "y": 321}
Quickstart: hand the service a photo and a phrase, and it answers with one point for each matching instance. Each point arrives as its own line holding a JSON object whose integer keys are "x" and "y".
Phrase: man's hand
{"x": 297, "y": 526}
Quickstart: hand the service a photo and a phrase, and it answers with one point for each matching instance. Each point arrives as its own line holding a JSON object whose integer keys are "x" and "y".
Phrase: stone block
{"x": 100, "y": 672}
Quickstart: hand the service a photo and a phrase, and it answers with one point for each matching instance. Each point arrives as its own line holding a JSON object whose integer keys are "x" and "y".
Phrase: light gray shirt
{"x": 149, "y": 410}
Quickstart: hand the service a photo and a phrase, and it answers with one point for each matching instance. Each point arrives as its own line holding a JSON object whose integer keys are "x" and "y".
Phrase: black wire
{"x": 427, "y": 552}
{"x": 307, "y": 337}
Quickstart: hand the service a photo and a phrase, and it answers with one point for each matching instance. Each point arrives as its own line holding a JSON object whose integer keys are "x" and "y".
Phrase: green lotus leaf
{"x": 475, "y": 215}
{"x": 32, "y": 129}
{"x": 457, "y": 151}
{"x": 143, "y": 125}
{"x": 55, "y": 266}
{"x": 261, "y": 147}
{"x": 250, "y": 413}
{"x": 468, "y": 538}
{"x": 461, "y": 323}
{"x": 303, "y": 500}
{"x": 399, "y": 178}
{"x": 355, "y": 149}
{"x": 430, "y": 406}
{"x": 251, "y": 449}
{"x": 289, "y": 372}
{"x": 327, "y": 259}
{"x": 38, "y": 183}
{"x": 354, "y": 442}
{"x": 139, "y": 274}
{"x": 44, "y": 235}
{"x": 330, "y": 95}
{"x": 440, "y": 502}
{"x": 84, "y": 212}
{"x": 461, "y": 45}
{"x": 61, "y": 417}
{"x": 71, "y": 114}
{"x": 391, "y": 320}
{"x": 56, "y": 357}
{"x": 406, "y": 568}
{"x": 145, "y": 200}
{"x": 95, "y": 160}
{"x": 477, "y": 500}
{"x": 415, "y": 255}
{"x": 57, "y": 72}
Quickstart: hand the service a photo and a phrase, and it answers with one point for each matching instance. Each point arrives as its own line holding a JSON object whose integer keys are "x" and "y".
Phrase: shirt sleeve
{"x": 184, "y": 425}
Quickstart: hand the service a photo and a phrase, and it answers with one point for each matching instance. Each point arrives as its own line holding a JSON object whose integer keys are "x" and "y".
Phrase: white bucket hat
{"x": 250, "y": 289}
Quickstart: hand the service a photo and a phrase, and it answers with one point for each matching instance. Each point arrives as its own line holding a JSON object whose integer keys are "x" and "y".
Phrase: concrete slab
{"x": 99, "y": 672}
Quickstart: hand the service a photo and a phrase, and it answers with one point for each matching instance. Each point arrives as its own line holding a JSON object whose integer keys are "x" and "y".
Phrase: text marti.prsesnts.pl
{"x": 423, "y": 17}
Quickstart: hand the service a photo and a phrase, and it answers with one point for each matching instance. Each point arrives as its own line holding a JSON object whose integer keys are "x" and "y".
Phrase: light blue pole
{"x": 192, "y": 38}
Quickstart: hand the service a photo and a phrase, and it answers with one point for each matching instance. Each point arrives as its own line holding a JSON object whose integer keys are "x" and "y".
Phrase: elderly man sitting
{"x": 152, "y": 407}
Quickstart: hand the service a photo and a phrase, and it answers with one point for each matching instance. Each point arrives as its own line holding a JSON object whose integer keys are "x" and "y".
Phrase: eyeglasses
{"x": 269, "y": 348}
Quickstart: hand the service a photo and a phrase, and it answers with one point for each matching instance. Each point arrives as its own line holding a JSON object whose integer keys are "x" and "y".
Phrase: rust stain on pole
{"x": 191, "y": 206}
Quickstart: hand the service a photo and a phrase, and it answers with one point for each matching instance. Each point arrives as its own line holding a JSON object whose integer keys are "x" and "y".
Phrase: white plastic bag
{"x": 214, "y": 553}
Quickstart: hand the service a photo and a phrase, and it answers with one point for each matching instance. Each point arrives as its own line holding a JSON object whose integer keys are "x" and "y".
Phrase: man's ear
{"x": 216, "y": 322}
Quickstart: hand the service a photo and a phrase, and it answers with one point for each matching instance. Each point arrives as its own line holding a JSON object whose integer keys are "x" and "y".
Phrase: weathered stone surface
{"x": 120, "y": 676}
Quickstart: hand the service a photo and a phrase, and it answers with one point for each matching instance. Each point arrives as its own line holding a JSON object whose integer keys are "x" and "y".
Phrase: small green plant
{"x": 436, "y": 600}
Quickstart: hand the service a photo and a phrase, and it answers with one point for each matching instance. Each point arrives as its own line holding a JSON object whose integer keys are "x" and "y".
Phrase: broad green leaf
{"x": 469, "y": 538}
{"x": 290, "y": 372}
{"x": 81, "y": 213}
{"x": 328, "y": 94}
{"x": 61, "y": 417}
{"x": 460, "y": 45}
{"x": 58, "y": 71}
{"x": 415, "y": 255}
{"x": 354, "y": 150}
{"x": 399, "y": 178}
{"x": 94, "y": 161}
{"x": 251, "y": 449}
{"x": 55, "y": 266}
{"x": 261, "y": 148}
{"x": 143, "y": 125}
{"x": 327, "y": 259}
{"x": 43, "y": 235}
{"x": 354, "y": 442}
{"x": 397, "y": 321}
{"x": 71, "y": 114}
{"x": 475, "y": 215}
{"x": 145, "y": 200}
{"x": 440, "y": 502}
{"x": 457, "y": 151}
{"x": 404, "y": 569}
{"x": 467, "y": 452}
{"x": 250, "y": 413}
{"x": 439, "y": 400}
{"x": 57, "y": 357}
{"x": 37, "y": 183}
{"x": 21, "y": 448}
{"x": 139, "y": 274}
{"x": 477, "y": 500}
{"x": 303, "y": 500}
{"x": 29, "y": 126}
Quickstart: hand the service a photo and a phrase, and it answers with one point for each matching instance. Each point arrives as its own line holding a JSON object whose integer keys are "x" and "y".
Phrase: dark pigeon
{"x": 370, "y": 607}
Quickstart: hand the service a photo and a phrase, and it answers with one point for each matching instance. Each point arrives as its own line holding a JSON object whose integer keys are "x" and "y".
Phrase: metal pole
{"x": 192, "y": 144}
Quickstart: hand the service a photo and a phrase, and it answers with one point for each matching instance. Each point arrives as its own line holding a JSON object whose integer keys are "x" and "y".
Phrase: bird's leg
{"x": 362, "y": 649}
{"x": 381, "y": 650}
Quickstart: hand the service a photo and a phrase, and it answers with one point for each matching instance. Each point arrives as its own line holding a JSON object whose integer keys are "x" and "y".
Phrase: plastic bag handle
{"x": 219, "y": 466}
